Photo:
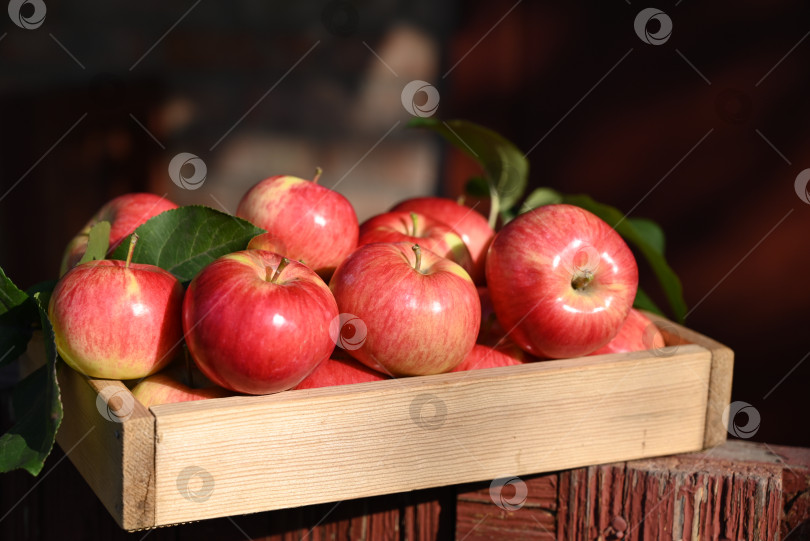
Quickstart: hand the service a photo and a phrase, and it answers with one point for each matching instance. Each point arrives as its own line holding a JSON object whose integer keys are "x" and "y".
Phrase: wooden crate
{"x": 177, "y": 463}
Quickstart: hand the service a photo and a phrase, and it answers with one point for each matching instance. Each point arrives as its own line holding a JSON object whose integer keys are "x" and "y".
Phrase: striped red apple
{"x": 258, "y": 323}
{"x": 471, "y": 226}
{"x": 419, "y": 229}
{"x": 420, "y": 311}
{"x": 117, "y": 319}
{"x": 313, "y": 224}
{"x": 562, "y": 281}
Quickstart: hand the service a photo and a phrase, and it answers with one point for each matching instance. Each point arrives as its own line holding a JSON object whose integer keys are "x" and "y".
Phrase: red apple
{"x": 637, "y": 333}
{"x": 492, "y": 334}
{"x": 116, "y": 319}
{"x": 561, "y": 280}
{"x": 471, "y": 226}
{"x": 267, "y": 242}
{"x": 258, "y": 323}
{"x": 315, "y": 225}
{"x": 339, "y": 369}
{"x": 419, "y": 311}
{"x": 178, "y": 382}
{"x": 414, "y": 228}
{"x": 125, "y": 213}
{"x": 486, "y": 357}
{"x": 162, "y": 388}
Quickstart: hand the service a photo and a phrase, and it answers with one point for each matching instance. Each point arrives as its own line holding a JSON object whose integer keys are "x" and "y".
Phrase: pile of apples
{"x": 425, "y": 288}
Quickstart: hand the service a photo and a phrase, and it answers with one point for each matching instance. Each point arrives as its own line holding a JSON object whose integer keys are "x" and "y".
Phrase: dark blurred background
{"x": 704, "y": 132}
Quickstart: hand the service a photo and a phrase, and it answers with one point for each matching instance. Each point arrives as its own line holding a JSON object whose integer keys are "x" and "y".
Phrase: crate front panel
{"x": 248, "y": 454}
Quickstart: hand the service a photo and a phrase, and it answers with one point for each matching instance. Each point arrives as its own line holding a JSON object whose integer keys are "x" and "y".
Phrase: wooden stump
{"x": 739, "y": 490}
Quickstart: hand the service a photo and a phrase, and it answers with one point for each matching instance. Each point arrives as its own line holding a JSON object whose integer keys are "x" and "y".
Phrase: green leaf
{"x": 45, "y": 288}
{"x": 184, "y": 240}
{"x": 477, "y": 187}
{"x": 17, "y": 314}
{"x": 644, "y": 302}
{"x": 37, "y": 409}
{"x": 541, "y": 197}
{"x": 651, "y": 232}
{"x": 97, "y": 243}
{"x": 652, "y": 251}
{"x": 10, "y": 295}
{"x": 505, "y": 166}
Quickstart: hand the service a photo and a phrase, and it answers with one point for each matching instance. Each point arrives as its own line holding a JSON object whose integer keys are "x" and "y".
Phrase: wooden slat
{"x": 719, "y": 379}
{"x": 246, "y": 454}
{"x": 115, "y": 458}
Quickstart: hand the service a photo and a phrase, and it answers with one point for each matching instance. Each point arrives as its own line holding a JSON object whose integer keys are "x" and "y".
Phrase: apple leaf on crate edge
{"x": 186, "y": 239}
{"x": 98, "y": 240}
{"x": 505, "y": 167}
{"x": 37, "y": 409}
{"x": 644, "y": 234}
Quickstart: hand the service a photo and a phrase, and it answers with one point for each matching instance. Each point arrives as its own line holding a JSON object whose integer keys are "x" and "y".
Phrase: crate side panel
{"x": 109, "y": 437}
{"x": 720, "y": 376}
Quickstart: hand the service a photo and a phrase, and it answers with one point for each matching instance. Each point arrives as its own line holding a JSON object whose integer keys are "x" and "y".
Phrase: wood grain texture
{"x": 720, "y": 379}
{"x": 111, "y": 442}
{"x": 735, "y": 491}
{"x": 739, "y": 490}
{"x": 479, "y": 518}
{"x": 248, "y": 454}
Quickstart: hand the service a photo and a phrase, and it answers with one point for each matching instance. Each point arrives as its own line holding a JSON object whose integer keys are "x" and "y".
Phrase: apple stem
{"x": 580, "y": 281}
{"x": 461, "y": 199}
{"x": 414, "y": 222}
{"x": 418, "y": 252}
{"x": 133, "y": 240}
{"x": 317, "y": 177}
{"x": 272, "y": 276}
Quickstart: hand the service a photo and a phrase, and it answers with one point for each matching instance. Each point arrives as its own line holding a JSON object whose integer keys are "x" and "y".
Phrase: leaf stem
{"x": 494, "y": 205}
{"x": 418, "y": 252}
{"x": 271, "y": 276}
{"x": 132, "y": 242}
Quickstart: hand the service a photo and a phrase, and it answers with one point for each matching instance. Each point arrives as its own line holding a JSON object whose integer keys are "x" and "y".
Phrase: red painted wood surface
{"x": 737, "y": 491}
